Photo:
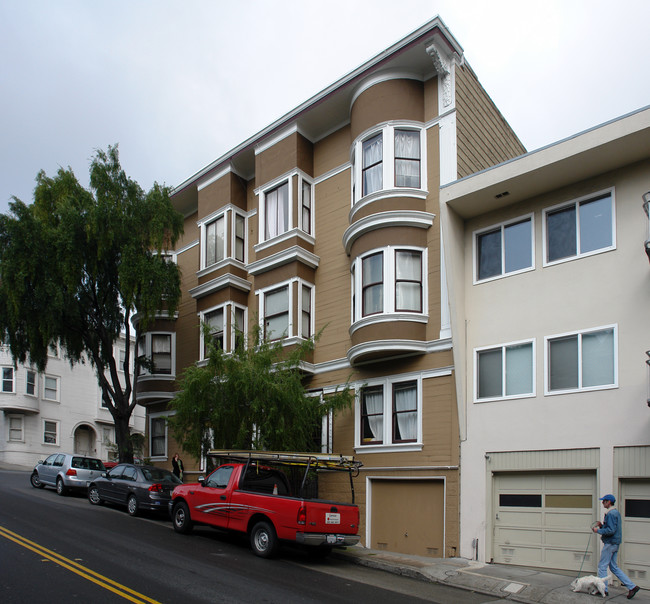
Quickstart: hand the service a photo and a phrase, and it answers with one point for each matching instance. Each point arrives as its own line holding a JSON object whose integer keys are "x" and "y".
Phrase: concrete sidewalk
{"x": 500, "y": 581}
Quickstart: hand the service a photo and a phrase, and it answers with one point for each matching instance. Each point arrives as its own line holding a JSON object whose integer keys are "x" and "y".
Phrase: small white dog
{"x": 591, "y": 584}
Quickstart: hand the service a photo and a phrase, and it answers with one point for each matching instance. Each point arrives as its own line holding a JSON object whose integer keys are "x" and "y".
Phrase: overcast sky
{"x": 179, "y": 83}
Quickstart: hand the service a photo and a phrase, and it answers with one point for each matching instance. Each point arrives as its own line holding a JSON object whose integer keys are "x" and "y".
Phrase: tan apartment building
{"x": 329, "y": 219}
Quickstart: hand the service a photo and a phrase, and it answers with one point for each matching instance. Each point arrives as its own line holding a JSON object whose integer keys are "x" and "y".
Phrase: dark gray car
{"x": 136, "y": 487}
{"x": 66, "y": 471}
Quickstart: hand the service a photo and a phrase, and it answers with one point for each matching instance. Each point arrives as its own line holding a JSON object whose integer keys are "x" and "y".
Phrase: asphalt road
{"x": 61, "y": 549}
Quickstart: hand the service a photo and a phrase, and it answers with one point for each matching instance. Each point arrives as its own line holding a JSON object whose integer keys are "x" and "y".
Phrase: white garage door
{"x": 544, "y": 520}
{"x": 635, "y": 510}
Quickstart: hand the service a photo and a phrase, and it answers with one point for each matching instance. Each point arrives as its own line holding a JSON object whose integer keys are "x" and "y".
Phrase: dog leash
{"x": 591, "y": 532}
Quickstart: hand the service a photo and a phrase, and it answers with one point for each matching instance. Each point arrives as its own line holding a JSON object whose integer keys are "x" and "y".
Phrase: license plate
{"x": 332, "y": 518}
{"x": 331, "y": 538}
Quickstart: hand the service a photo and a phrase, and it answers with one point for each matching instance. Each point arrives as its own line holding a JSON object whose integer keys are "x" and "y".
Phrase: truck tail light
{"x": 71, "y": 472}
{"x": 302, "y": 515}
{"x": 156, "y": 488}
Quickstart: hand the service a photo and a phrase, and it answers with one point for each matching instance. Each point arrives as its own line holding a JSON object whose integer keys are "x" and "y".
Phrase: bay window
{"x": 276, "y": 313}
{"x": 389, "y": 281}
{"x": 155, "y": 354}
{"x": 219, "y": 322}
{"x": 276, "y": 211}
{"x": 389, "y": 158}
{"x": 7, "y": 379}
{"x": 215, "y": 241}
{"x": 215, "y": 324}
{"x": 286, "y": 310}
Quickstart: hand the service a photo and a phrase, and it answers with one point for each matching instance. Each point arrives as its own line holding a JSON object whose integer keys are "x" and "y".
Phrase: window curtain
{"x": 406, "y": 412}
{"x": 407, "y": 158}
{"x": 408, "y": 288}
{"x": 373, "y": 401}
{"x": 277, "y": 211}
{"x": 372, "y": 164}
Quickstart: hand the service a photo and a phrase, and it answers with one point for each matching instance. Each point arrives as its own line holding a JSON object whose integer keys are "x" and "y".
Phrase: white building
{"x": 56, "y": 411}
{"x": 549, "y": 293}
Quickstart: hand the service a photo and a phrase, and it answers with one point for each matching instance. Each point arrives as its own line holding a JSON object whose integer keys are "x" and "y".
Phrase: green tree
{"x": 77, "y": 264}
{"x": 253, "y": 398}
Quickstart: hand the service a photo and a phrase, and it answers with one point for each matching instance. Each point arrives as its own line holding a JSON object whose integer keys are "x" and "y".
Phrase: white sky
{"x": 178, "y": 83}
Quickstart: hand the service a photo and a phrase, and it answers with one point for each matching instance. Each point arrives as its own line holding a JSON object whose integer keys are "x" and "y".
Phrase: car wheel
{"x": 93, "y": 495}
{"x": 60, "y": 487}
{"x": 36, "y": 481}
{"x": 132, "y": 505}
{"x": 181, "y": 518}
{"x": 264, "y": 540}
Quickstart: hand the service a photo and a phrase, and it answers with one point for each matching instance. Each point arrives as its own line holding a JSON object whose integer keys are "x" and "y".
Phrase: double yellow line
{"x": 76, "y": 568}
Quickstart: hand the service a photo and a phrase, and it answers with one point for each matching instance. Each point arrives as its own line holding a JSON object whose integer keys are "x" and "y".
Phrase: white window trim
{"x": 389, "y": 269}
{"x": 312, "y": 307}
{"x": 203, "y": 224}
{"x": 387, "y": 446}
{"x": 303, "y": 178}
{"x": 502, "y": 226}
{"x": 576, "y": 202}
{"x": 294, "y": 326}
{"x": 58, "y": 435}
{"x": 388, "y": 161}
{"x": 202, "y": 316}
{"x": 233, "y": 241}
{"x": 13, "y": 380}
{"x": 159, "y": 415}
{"x": 144, "y": 372}
{"x": 274, "y": 184}
{"x": 21, "y": 418}
{"x": 58, "y": 387}
{"x": 27, "y": 372}
{"x": 228, "y": 310}
{"x": 547, "y": 340}
{"x": 503, "y": 348}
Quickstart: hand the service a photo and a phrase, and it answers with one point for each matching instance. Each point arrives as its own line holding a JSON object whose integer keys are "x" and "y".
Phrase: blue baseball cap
{"x": 608, "y": 497}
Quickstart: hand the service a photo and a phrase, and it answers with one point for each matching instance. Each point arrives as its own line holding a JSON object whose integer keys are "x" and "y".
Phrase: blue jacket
{"x": 611, "y": 530}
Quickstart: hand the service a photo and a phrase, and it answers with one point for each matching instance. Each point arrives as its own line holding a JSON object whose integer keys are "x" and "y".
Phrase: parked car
{"x": 136, "y": 487}
{"x": 65, "y": 471}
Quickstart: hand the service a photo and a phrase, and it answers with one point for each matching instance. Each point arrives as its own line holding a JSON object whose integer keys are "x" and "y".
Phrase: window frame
{"x": 12, "y": 380}
{"x": 157, "y": 417}
{"x": 504, "y": 348}
{"x": 57, "y": 380}
{"x": 34, "y": 385}
{"x": 295, "y": 310}
{"x": 216, "y": 220}
{"x": 388, "y": 161}
{"x": 577, "y": 203}
{"x": 389, "y": 282}
{"x": 288, "y": 313}
{"x": 10, "y": 429}
{"x": 388, "y": 441}
{"x": 288, "y": 182}
{"x": 144, "y": 350}
{"x": 580, "y": 336}
{"x": 502, "y": 227}
{"x": 168, "y": 336}
{"x": 229, "y": 311}
{"x": 54, "y": 423}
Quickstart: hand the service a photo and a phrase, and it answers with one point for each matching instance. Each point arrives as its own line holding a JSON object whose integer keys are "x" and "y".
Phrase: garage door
{"x": 635, "y": 509}
{"x": 408, "y": 516}
{"x": 544, "y": 520}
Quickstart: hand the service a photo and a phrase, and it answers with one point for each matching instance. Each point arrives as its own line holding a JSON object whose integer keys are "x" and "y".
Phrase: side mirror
{"x": 202, "y": 480}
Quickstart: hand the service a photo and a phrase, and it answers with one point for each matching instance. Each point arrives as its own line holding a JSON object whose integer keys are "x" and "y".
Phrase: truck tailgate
{"x": 325, "y": 517}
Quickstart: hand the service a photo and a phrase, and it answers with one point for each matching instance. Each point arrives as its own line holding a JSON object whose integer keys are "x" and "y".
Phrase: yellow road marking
{"x": 82, "y": 571}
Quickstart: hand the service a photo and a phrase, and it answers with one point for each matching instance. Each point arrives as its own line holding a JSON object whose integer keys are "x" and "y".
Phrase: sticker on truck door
{"x": 332, "y": 518}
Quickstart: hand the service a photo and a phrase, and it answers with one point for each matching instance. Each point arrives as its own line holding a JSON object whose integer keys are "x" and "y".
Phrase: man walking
{"x": 611, "y": 534}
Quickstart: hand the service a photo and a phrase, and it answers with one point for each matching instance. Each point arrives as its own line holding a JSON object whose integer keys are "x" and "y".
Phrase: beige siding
{"x": 484, "y": 137}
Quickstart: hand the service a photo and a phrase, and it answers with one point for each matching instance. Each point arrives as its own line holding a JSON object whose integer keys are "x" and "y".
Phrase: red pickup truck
{"x": 253, "y": 498}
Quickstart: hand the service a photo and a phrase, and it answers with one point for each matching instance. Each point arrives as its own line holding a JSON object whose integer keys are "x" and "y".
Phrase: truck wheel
{"x": 93, "y": 495}
{"x": 60, "y": 487}
{"x": 35, "y": 480}
{"x": 181, "y": 518}
{"x": 132, "y": 505}
{"x": 264, "y": 541}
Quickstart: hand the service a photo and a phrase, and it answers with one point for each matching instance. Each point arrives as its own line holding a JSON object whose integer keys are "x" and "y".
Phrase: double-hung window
{"x": 215, "y": 241}
{"x": 161, "y": 353}
{"x": 50, "y": 388}
{"x": 581, "y": 228}
{"x": 240, "y": 238}
{"x": 505, "y": 371}
{"x": 585, "y": 360}
{"x": 276, "y": 313}
{"x": 504, "y": 249}
{"x": 7, "y": 379}
{"x": 16, "y": 427}
{"x": 306, "y": 311}
{"x": 391, "y": 280}
{"x": 276, "y": 211}
{"x": 30, "y": 382}
{"x": 50, "y": 432}
{"x": 390, "y": 157}
{"x": 390, "y": 413}
{"x": 158, "y": 436}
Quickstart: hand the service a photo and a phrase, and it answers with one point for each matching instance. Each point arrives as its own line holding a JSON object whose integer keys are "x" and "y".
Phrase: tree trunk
{"x": 119, "y": 409}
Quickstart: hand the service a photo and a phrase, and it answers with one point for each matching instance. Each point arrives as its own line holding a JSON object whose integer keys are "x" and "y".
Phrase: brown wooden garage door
{"x": 408, "y": 516}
